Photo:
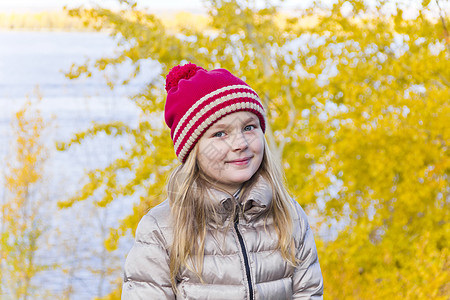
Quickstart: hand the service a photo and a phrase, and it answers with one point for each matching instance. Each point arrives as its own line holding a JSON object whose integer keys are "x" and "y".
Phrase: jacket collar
{"x": 253, "y": 205}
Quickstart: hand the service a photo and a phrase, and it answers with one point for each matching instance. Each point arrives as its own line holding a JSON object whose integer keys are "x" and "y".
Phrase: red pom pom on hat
{"x": 180, "y": 72}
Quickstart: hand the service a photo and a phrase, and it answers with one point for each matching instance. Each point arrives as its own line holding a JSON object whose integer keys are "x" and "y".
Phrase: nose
{"x": 239, "y": 142}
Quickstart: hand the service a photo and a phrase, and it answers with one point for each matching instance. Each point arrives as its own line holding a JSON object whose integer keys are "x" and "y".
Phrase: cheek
{"x": 210, "y": 153}
{"x": 257, "y": 144}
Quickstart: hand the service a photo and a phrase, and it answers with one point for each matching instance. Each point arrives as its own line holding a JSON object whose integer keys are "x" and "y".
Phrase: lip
{"x": 240, "y": 161}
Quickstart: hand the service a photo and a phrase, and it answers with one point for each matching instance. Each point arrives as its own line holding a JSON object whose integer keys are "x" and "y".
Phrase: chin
{"x": 240, "y": 179}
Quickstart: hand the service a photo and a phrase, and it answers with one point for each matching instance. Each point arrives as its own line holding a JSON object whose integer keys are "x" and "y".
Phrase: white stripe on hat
{"x": 204, "y": 99}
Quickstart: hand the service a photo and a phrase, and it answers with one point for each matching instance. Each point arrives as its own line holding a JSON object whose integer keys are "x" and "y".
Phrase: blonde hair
{"x": 191, "y": 212}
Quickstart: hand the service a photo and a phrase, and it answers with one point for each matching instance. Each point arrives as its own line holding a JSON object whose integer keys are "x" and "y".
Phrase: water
{"x": 30, "y": 60}
{"x": 73, "y": 241}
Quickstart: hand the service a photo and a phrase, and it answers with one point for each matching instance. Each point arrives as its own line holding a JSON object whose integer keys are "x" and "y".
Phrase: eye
{"x": 219, "y": 134}
{"x": 249, "y": 127}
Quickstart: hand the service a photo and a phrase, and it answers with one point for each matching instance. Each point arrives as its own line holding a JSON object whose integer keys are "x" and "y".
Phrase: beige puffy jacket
{"x": 240, "y": 262}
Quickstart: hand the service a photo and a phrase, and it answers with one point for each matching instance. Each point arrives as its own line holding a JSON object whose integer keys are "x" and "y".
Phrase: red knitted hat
{"x": 197, "y": 98}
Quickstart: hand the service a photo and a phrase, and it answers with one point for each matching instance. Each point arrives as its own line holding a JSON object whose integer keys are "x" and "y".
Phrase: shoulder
{"x": 154, "y": 227}
{"x": 299, "y": 214}
{"x": 300, "y": 221}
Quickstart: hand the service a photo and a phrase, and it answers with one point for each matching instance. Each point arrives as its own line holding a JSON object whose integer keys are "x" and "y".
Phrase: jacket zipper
{"x": 244, "y": 254}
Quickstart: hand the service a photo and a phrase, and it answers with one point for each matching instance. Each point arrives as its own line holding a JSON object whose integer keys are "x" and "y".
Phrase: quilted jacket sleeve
{"x": 146, "y": 273}
{"x": 307, "y": 279}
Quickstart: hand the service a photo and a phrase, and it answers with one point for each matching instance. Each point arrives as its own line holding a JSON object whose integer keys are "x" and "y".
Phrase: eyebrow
{"x": 219, "y": 125}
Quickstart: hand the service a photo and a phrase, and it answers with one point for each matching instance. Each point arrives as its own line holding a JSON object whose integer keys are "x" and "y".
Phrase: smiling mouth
{"x": 241, "y": 161}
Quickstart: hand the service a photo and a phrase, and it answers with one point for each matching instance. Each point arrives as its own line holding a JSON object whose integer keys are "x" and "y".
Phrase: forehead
{"x": 236, "y": 118}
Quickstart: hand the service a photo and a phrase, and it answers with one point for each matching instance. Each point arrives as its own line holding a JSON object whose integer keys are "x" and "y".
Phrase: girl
{"x": 229, "y": 229}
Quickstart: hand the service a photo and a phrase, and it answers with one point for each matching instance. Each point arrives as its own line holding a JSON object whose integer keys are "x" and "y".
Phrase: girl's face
{"x": 231, "y": 150}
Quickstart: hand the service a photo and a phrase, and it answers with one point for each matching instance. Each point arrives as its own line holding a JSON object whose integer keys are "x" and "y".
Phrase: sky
{"x": 42, "y": 5}
{"x": 193, "y": 6}
{"x": 163, "y": 5}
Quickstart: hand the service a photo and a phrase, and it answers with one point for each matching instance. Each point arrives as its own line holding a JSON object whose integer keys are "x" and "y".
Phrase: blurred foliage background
{"x": 357, "y": 95}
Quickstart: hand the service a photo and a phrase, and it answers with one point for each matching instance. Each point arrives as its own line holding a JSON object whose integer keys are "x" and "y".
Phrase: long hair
{"x": 191, "y": 212}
